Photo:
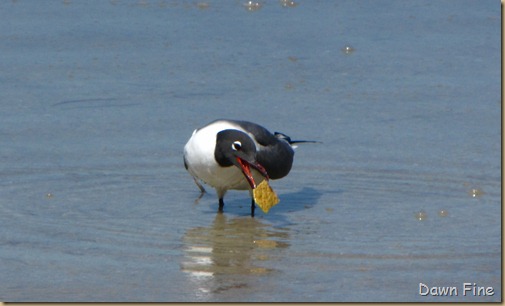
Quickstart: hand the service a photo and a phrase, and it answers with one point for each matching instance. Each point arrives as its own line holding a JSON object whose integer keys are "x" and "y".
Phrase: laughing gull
{"x": 232, "y": 154}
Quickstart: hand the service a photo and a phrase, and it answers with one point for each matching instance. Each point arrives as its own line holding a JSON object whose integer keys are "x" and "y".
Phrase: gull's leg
{"x": 202, "y": 190}
{"x": 253, "y": 207}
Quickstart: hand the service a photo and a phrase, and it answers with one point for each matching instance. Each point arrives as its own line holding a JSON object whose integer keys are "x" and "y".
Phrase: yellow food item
{"x": 265, "y": 196}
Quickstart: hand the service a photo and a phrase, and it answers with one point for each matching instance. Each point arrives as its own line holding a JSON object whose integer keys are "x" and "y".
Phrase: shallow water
{"x": 98, "y": 100}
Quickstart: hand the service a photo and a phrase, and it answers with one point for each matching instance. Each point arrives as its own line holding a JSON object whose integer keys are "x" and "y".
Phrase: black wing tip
{"x": 305, "y": 141}
{"x": 288, "y": 139}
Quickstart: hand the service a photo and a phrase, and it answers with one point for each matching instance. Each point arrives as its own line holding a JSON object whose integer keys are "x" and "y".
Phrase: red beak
{"x": 246, "y": 170}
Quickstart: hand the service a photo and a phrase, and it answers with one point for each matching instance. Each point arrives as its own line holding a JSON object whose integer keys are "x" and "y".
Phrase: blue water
{"x": 97, "y": 100}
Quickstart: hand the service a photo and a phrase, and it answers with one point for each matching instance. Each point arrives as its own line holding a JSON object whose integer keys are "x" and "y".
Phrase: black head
{"x": 236, "y": 148}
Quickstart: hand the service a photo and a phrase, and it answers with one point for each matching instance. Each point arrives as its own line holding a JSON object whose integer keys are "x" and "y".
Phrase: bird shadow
{"x": 305, "y": 198}
{"x": 302, "y": 199}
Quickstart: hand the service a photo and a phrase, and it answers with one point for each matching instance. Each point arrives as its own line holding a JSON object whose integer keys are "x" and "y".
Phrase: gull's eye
{"x": 236, "y": 145}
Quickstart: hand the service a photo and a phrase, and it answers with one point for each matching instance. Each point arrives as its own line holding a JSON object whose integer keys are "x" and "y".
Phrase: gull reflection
{"x": 220, "y": 257}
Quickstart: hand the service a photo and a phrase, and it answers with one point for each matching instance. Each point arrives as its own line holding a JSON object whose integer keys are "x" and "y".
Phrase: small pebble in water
{"x": 443, "y": 213}
{"x": 202, "y": 5}
{"x": 288, "y": 3}
{"x": 252, "y": 5}
{"x": 288, "y": 86}
{"x": 348, "y": 49}
{"x": 421, "y": 215}
{"x": 474, "y": 192}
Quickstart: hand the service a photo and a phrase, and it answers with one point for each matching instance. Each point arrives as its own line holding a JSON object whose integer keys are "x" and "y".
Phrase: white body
{"x": 199, "y": 157}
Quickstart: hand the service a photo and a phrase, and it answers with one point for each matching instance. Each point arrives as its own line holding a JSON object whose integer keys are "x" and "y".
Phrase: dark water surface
{"x": 97, "y": 100}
